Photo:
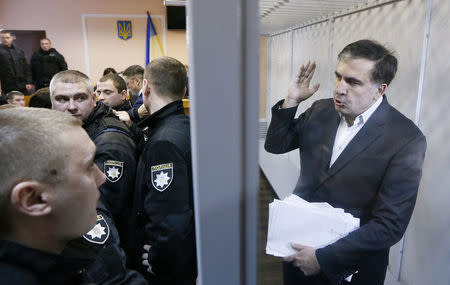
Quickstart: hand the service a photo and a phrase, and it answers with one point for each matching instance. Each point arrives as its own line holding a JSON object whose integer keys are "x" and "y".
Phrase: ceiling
{"x": 278, "y": 15}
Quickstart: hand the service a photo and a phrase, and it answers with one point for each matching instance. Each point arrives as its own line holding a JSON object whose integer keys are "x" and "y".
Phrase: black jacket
{"x": 14, "y": 70}
{"x": 125, "y": 106}
{"x": 45, "y": 64}
{"x": 163, "y": 211}
{"x": 103, "y": 244}
{"x": 23, "y": 265}
{"x": 115, "y": 156}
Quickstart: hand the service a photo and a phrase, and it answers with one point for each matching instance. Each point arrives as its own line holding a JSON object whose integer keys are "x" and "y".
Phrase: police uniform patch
{"x": 99, "y": 233}
{"x": 113, "y": 170}
{"x": 162, "y": 176}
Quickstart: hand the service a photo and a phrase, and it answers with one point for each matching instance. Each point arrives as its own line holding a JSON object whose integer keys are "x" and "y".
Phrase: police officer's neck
{"x": 157, "y": 102}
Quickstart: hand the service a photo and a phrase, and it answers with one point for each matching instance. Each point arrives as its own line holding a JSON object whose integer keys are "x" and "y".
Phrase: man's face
{"x": 74, "y": 201}
{"x": 17, "y": 100}
{"x": 133, "y": 84}
{"x": 354, "y": 91}
{"x": 6, "y": 39}
{"x": 74, "y": 99}
{"x": 108, "y": 94}
{"x": 46, "y": 45}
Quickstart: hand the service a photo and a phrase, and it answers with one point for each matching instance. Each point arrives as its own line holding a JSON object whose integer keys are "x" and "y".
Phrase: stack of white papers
{"x": 312, "y": 224}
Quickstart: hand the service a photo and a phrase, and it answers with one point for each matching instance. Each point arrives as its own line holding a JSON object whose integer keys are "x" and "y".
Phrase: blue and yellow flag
{"x": 153, "y": 46}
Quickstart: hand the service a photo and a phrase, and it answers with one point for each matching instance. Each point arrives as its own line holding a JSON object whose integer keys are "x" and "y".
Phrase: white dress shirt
{"x": 345, "y": 133}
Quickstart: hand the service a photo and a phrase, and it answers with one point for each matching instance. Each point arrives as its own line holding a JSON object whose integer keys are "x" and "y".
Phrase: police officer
{"x": 102, "y": 243}
{"x": 45, "y": 63}
{"x": 48, "y": 195}
{"x": 15, "y": 72}
{"x": 163, "y": 211}
{"x": 72, "y": 92}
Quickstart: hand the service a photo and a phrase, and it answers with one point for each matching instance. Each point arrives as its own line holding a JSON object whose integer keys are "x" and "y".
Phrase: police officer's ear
{"x": 123, "y": 94}
{"x": 146, "y": 87}
{"x": 30, "y": 198}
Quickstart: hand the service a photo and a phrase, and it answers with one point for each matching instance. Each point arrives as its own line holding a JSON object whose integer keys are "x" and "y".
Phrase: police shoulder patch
{"x": 99, "y": 234}
{"x": 113, "y": 170}
{"x": 162, "y": 176}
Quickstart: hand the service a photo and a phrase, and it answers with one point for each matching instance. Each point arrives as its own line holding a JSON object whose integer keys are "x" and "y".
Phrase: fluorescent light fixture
{"x": 174, "y": 3}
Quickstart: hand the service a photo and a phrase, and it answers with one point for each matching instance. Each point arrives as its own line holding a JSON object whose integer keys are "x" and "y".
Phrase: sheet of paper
{"x": 313, "y": 224}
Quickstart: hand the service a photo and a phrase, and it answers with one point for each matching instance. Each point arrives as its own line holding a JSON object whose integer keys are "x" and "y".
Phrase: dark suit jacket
{"x": 375, "y": 178}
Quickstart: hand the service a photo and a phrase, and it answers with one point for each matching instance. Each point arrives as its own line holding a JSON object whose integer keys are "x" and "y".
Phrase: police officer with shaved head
{"x": 163, "y": 212}
{"x": 48, "y": 195}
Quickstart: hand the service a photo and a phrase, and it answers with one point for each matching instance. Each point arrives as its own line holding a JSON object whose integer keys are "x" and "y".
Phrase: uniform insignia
{"x": 162, "y": 176}
{"x": 124, "y": 30}
{"x": 99, "y": 233}
{"x": 113, "y": 170}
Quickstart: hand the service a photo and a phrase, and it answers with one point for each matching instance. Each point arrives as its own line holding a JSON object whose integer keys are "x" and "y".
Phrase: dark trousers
{"x": 293, "y": 275}
{"x": 368, "y": 274}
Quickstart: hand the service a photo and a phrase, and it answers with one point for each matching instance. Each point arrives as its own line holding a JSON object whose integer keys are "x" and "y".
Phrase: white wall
{"x": 401, "y": 26}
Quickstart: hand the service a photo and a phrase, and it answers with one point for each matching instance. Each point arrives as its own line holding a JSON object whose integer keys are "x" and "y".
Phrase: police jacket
{"x": 24, "y": 265}
{"x": 14, "y": 70}
{"x": 125, "y": 106}
{"x": 115, "y": 156}
{"x": 102, "y": 243}
{"x": 45, "y": 64}
{"x": 163, "y": 212}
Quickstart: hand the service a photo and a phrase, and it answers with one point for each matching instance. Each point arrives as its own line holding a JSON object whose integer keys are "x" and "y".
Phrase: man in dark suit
{"x": 357, "y": 153}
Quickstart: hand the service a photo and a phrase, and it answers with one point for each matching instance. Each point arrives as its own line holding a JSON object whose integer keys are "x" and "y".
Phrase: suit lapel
{"x": 327, "y": 147}
{"x": 369, "y": 133}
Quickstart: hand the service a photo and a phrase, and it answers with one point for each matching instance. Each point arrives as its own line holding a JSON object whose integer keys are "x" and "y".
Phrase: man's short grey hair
{"x": 30, "y": 150}
{"x": 71, "y": 76}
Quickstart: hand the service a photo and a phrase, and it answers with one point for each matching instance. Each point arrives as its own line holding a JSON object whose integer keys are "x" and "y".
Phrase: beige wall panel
{"x": 62, "y": 20}
{"x": 106, "y": 49}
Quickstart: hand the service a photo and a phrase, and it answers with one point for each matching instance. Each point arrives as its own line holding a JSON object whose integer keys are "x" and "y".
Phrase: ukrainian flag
{"x": 153, "y": 45}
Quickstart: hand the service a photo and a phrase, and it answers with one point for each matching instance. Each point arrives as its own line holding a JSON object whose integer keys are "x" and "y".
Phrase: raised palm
{"x": 299, "y": 89}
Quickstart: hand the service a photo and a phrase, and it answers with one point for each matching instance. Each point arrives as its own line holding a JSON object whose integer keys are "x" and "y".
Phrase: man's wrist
{"x": 289, "y": 103}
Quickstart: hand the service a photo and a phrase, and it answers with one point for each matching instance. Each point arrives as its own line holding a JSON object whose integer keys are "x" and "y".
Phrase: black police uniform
{"x": 125, "y": 106}
{"x": 14, "y": 69}
{"x": 21, "y": 265}
{"x": 163, "y": 212}
{"x": 115, "y": 156}
{"x": 45, "y": 64}
{"x": 102, "y": 243}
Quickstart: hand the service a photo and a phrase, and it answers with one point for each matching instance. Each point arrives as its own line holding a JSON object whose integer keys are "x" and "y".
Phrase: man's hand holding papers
{"x": 305, "y": 258}
{"x": 312, "y": 225}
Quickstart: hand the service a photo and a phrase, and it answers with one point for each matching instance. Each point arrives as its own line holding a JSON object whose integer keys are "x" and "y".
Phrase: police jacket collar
{"x": 99, "y": 111}
{"x": 41, "y": 263}
{"x": 7, "y": 47}
{"x": 125, "y": 106}
{"x": 175, "y": 107}
{"x": 47, "y": 52}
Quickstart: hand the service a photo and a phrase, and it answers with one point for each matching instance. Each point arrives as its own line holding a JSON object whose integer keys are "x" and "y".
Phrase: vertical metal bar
{"x": 250, "y": 97}
{"x": 423, "y": 65}
{"x": 291, "y": 75}
{"x": 330, "y": 57}
{"x": 224, "y": 130}
{"x": 269, "y": 77}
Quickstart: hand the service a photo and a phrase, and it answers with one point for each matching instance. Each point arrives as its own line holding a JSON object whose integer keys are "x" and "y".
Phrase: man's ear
{"x": 147, "y": 88}
{"x": 381, "y": 89}
{"x": 31, "y": 198}
{"x": 123, "y": 94}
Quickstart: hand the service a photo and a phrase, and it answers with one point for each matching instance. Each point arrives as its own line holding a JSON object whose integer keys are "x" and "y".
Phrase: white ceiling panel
{"x": 279, "y": 15}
